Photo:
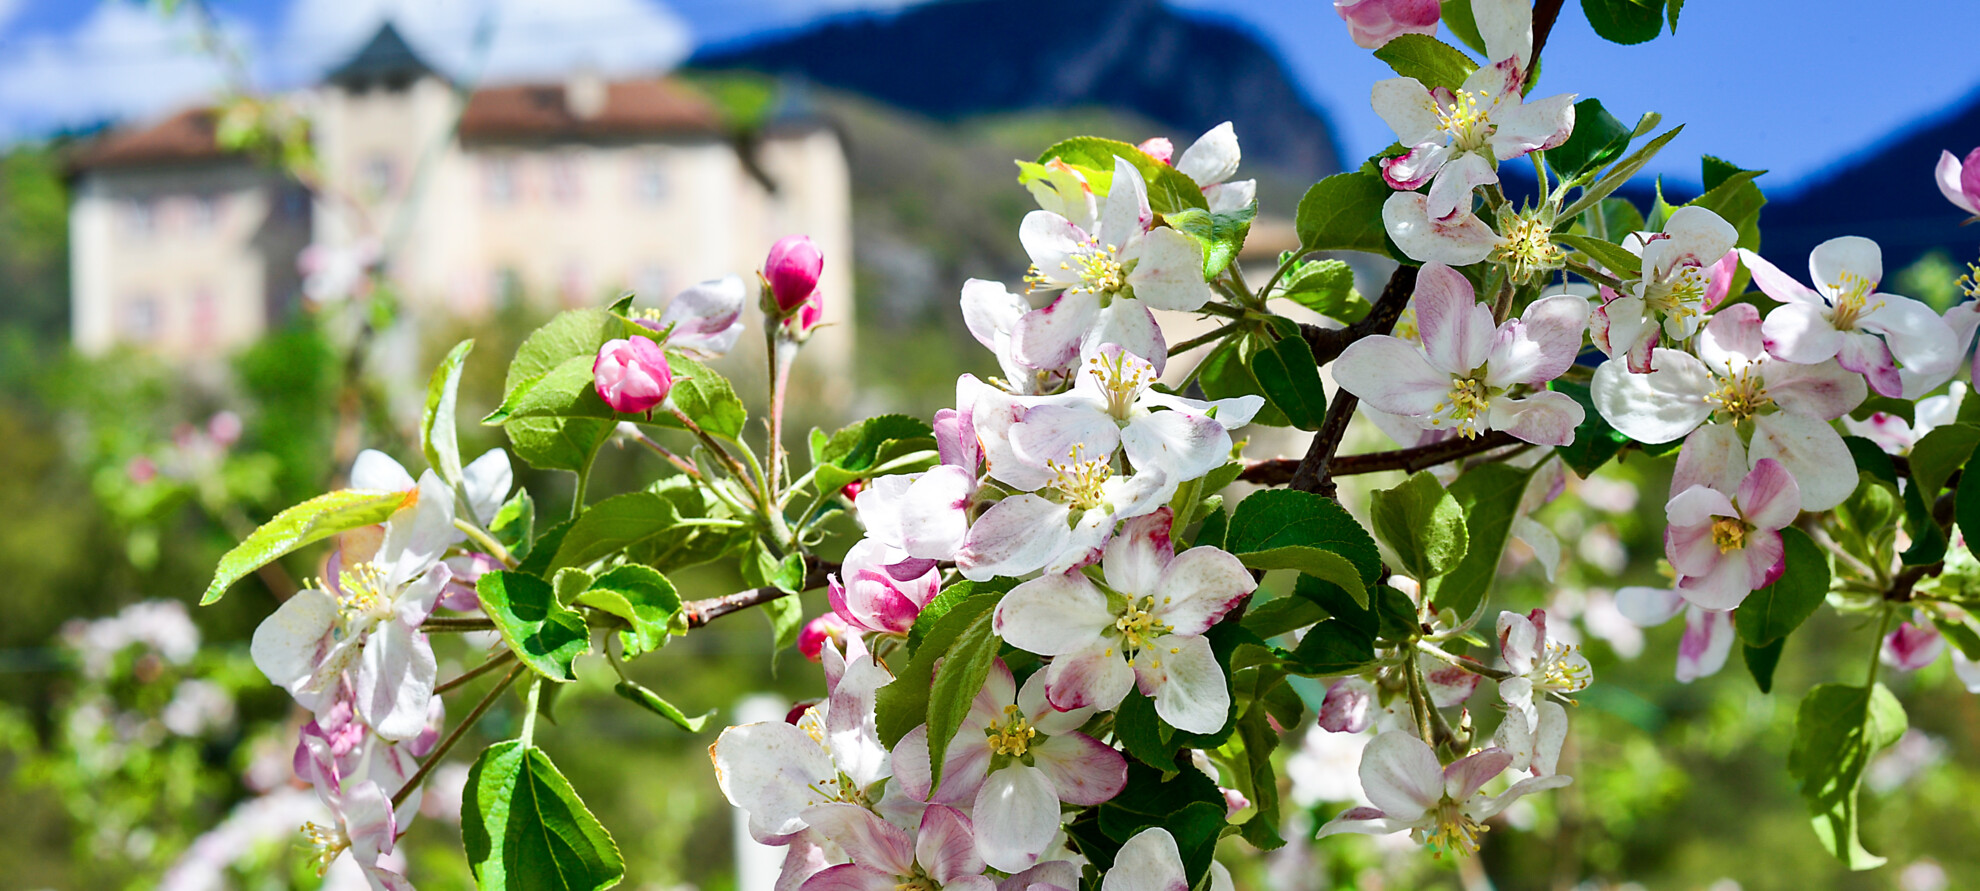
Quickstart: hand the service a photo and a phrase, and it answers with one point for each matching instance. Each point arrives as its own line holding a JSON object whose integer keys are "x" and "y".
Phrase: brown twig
{"x": 1279, "y": 471}
{"x": 701, "y": 612}
{"x": 1545, "y": 12}
{"x": 1312, "y": 473}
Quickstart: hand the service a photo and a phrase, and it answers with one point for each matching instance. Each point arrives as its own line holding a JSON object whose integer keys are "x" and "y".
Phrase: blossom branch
{"x": 701, "y": 612}
{"x": 1279, "y": 471}
{"x": 1312, "y": 473}
{"x": 1545, "y": 12}
{"x": 494, "y": 662}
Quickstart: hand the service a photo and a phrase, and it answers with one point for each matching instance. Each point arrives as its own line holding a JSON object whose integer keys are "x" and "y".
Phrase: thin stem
{"x": 715, "y": 448}
{"x": 1419, "y": 703}
{"x": 1877, "y": 647}
{"x": 494, "y": 662}
{"x": 528, "y": 736}
{"x": 577, "y": 493}
{"x": 1465, "y": 662}
{"x": 440, "y": 751}
{"x": 1312, "y": 474}
{"x": 1220, "y": 309}
{"x": 455, "y": 625}
{"x": 1265, "y": 293}
{"x": 781, "y": 353}
{"x": 633, "y": 432}
{"x": 1195, "y": 342}
{"x": 485, "y": 542}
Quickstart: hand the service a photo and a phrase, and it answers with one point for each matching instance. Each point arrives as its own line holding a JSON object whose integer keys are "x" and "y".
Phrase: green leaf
{"x": 1614, "y": 257}
{"x": 566, "y": 391}
{"x": 1422, "y": 523}
{"x": 438, "y": 435}
{"x": 558, "y": 443}
{"x": 859, "y": 446}
{"x": 705, "y": 396}
{"x": 1872, "y": 460}
{"x": 1598, "y": 138}
{"x": 544, "y": 634}
{"x": 1432, "y": 62}
{"x": 306, "y": 523}
{"x": 1674, "y": 6}
{"x": 515, "y": 523}
{"x": 1621, "y": 172}
{"x": 1221, "y": 235}
{"x": 965, "y": 666}
{"x": 1320, "y": 564}
{"x": 544, "y": 550}
{"x": 1169, "y": 190}
{"x": 1836, "y": 731}
{"x": 645, "y": 599}
{"x": 617, "y": 523}
{"x": 1326, "y": 287}
{"x": 1938, "y": 452}
{"x": 1966, "y": 506}
{"x": 786, "y": 615}
{"x": 1457, "y": 16}
{"x": 1142, "y": 732}
{"x": 1489, "y": 496}
{"x": 1332, "y": 647}
{"x": 1286, "y": 373}
{"x": 1344, "y": 213}
{"x": 1773, "y": 612}
{"x": 1225, "y": 374}
{"x": 1282, "y": 615}
{"x": 903, "y": 704}
{"x": 1595, "y": 442}
{"x": 525, "y": 829}
{"x": 1274, "y": 518}
{"x": 1761, "y": 662}
{"x": 652, "y": 702}
{"x": 1184, "y": 802}
{"x": 947, "y": 600}
{"x": 1626, "y": 21}
{"x": 1928, "y": 539}
{"x": 1390, "y": 616}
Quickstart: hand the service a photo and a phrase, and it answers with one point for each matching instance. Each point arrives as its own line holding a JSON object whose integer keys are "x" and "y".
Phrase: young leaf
{"x": 548, "y": 443}
{"x": 1321, "y": 564}
{"x": 1220, "y": 234}
{"x": 438, "y": 436}
{"x": 1598, "y": 138}
{"x": 1457, "y": 16}
{"x": 306, "y": 523}
{"x": 1432, "y": 62}
{"x": 544, "y": 634}
{"x": 1272, "y": 519}
{"x": 1938, "y": 452}
{"x": 1422, "y": 523}
{"x": 1489, "y": 496}
{"x": 1627, "y": 21}
{"x": 645, "y": 599}
{"x": 964, "y": 668}
{"x": 1621, "y": 172}
{"x": 1344, "y": 213}
{"x": 705, "y": 396}
{"x": 1225, "y": 374}
{"x": 1326, "y": 287}
{"x": 1761, "y": 662}
{"x": 904, "y": 703}
{"x": 1286, "y": 373}
{"x": 652, "y": 702}
{"x": 1773, "y": 612}
{"x": 525, "y": 829}
{"x": 1330, "y": 648}
{"x": 612, "y": 525}
{"x": 1169, "y": 190}
{"x": 1613, "y": 257}
{"x": 1836, "y": 731}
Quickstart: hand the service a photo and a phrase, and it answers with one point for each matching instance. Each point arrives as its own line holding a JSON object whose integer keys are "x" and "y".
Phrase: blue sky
{"x": 1790, "y": 85}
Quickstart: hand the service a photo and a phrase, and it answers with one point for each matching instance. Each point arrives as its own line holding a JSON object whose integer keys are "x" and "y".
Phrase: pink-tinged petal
{"x": 1015, "y": 536}
{"x": 1373, "y": 23}
{"x": 1812, "y": 451}
{"x": 1036, "y": 705}
{"x": 1137, "y": 555}
{"x": 1053, "y": 615}
{"x": 935, "y": 512}
{"x": 1056, "y": 431}
{"x": 1865, "y": 354}
{"x": 769, "y": 770}
{"x": 1718, "y": 282}
{"x": 990, "y": 311}
{"x": 1404, "y": 103}
{"x": 870, "y": 841}
{"x": 368, "y": 821}
{"x": 706, "y": 318}
{"x": 1097, "y": 677}
{"x": 1712, "y": 456}
{"x": 1494, "y": 806}
{"x": 395, "y": 679}
{"x": 1539, "y": 124}
{"x": 1724, "y": 586}
{"x": 1198, "y": 588}
{"x": 1507, "y": 28}
{"x": 1950, "y": 176}
{"x": 1656, "y": 407}
{"x": 1185, "y": 444}
{"x": 1129, "y": 325}
{"x": 1543, "y": 418}
{"x": 1697, "y": 506}
{"x": 1735, "y": 337}
{"x": 1401, "y": 775}
{"x": 1851, "y": 255}
{"x": 1411, "y": 169}
{"x": 1182, "y": 675}
{"x": 1459, "y": 240}
{"x": 1520, "y": 642}
{"x": 1453, "y": 188}
{"x": 1392, "y": 374}
{"x": 1912, "y": 647}
{"x": 1168, "y": 270}
{"x": 1765, "y": 556}
{"x": 1691, "y": 549}
{"x": 1456, "y": 331}
{"x": 1769, "y": 497}
{"x": 1648, "y": 606}
{"x": 1083, "y": 770}
{"x": 946, "y": 845}
{"x": 1126, "y": 213}
{"x": 1797, "y": 332}
{"x": 1969, "y": 176}
{"x": 1918, "y": 337}
{"x": 289, "y": 645}
{"x": 1708, "y": 638}
{"x": 1619, "y": 327}
{"x": 1695, "y": 236}
{"x": 1150, "y": 861}
{"x": 965, "y": 764}
{"x": 1466, "y": 775}
{"x": 1777, "y": 284}
{"x": 1449, "y": 685}
{"x": 999, "y": 690}
{"x": 1017, "y": 814}
{"x": 1347, "y": 705}
{"x": 1541, "y": 344}
{"x": 1050, "y": 337}
{"x": 1826, "y": 391}
{"x": 850, "y": 877}
{"x": 1498, "y": 84}
{"x": 1363, "y": 821}
{"x": 1549, "y": 736}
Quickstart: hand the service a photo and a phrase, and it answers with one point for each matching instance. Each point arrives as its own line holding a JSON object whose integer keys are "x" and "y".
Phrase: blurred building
{"x": 566, "y": 193}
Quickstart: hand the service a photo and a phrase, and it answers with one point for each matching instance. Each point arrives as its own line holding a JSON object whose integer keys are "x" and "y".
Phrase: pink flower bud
{"x": 1373, "y": 23}
{"x": 826, "y": 628}
{"x": 792, "y": 270}
{"x": 797, "y": 711}
{"x": 1348, "y": 706}
{"x": 1159, "y": 148}
{"x": 850, "y": 491}
{"x": 798, "y": 325}
{"x": 142, "y": 469}
{"x": 632, "y": 375}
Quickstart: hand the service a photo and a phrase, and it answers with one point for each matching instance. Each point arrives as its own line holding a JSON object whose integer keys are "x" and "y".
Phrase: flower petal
{"x": 1212, "y": 158}
{"x": 1457, "y": 332}
{"x": 946, "y": 845}
{"x": 1854, "y": 256}
{"x": 1126, "y": 213}
{"x": 1189, "y": 688}
{"x": 1769, "y": 497}
{"x": 1811, "y": 450}
{"x": 1168, "y": 270}
{"x": 1800, "y": 333}
{"x": 1529, "y": 126}
{"x": 1149, "y": 861}
{"x": 1777, "y": 284}
{"x": 1401, "y": 775}
{"x": 1129, "y": 325}
{"x": 1391, "y": 374}
{"x": 769, "y": 769}
{"x": 1015, "y": 536}
{"x": 1918, "y": 337}
{"x": 1697, "y": 506}
{"x": 1543, "y": 418}
{"x": 1137, "y": 555}
{"x": 1095, "y": 677}
{"x": 1052, "y": 241}
{"x": 1648, "y": 606}
{"x": 1017, "y": 815}
{"x": 378, "y": 472}
{"x": 1453, "y": 188}
{"x": 1404, "y": 104}
{"x": 1083, "y": 770}
{"x": 1712, "y": 456}
{"x": 1826, "y": 391}
{"x": 1185, "y": 445}
{"x": 1050, "y": 337}
{"x": 288, "y": 646}
{"x": 1539, "y": 345}
{"x": 1708, "y": 639}
{"x": 870, "y": 841}
{"x": 1948, "y": 174}
{"x": 1197, "y": 588}
{"x": 395, "y": 679}
{"x": 1463, "y": 777}
{"x": 1459, "y": 240}
{"x": 1656, "y": 407}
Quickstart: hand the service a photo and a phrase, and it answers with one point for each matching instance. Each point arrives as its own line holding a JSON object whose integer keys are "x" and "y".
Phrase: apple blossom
{"x": 632, "y": 375}
{"x": 1845, "y": 318}
{"x": 1144, "y": 629}
{"x": 1912, "y": 646}
{"x": 1441, "y": 806}
{"x": 1150, "y": 861}
{"x": 1895, "y": 436}
{"x": 703, "y": 321}
{"x": 824, "y": 630}
{"x": 1533, "y": 737}
{"x": 1538, "y": 665}
{"x": 991, "y": 313}
{"x": 799, "y": 324}
{"x": 1345, "y": 709}
{"x": 1461, "y": 374}
{"x": 1724, "y": 548}
{"x": 1013, "y": 760}
{"x": 1687, "y": 271}
{"x": 926, "y": 515}
{"x": 940, "y": 855}
{"x": 1959, "y": 180}
{"x": 1109, "y": 276}
{"x": 881, "y": 589}
{"x": 1708, "y": 634}
{"x": 1458, "y": 237}
{"x": 1212, "y": 160}
{"x": 1373, "y": 23}
{"x": 791, "y": 270}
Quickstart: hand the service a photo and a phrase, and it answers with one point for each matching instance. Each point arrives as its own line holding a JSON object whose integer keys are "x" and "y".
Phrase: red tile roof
{"x": 631, "y": 108}
{"x": 185, "y": 137}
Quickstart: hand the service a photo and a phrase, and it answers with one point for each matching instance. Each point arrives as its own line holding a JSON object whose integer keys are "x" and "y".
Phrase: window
{"x": 650, "y": 178}
{"x": 566, "y": 180}
{"x": 380, "y": 177}
{"x": 498, "y": 180}
{"x": 141, "y": 320}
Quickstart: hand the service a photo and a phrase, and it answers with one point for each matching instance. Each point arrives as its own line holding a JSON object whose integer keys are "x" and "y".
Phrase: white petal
{"x": 1051, "y": 241}
{"x": 1539, "y": 124}
{"x": 1049, "y": 337}
{"x": 395, "y": 679}
{"x": 1065, "y": 431}
{"x": 1150, "y": 861}
{"x": 1543, "y": 418}
{"x": 287, "y": 645}
{"x": 1213, "y": 158}
{"x": 1404, "y": 103}
{"x": 1855, "y": 255}
{"x": 769, "y": 770}
{"x": 1392, "y": 374}
{"x": 377, "y": 471}
{"x": 1053, "y": 615}
{"x": 1129, "y": 325}
{"x": 1826, "y": 390}
{"x": 934, "y": 512}
{"x": 1126, "y": 214}
{"x": 1506, "y": 26}
{"x": 1918, "y": 337}
{"x": 1777, "y": 284}
{"x": 1184, "y": 445}
{"x": 990, "y": 310}
{"x": 1015, "y": 536}
{"x": 1190, "y": 692}
{"x": 1198, "y": 588}
{"x": 1797, "y": 332}
{"x": 1656, "y": 407}
{"x": 1401, "y": 775}
{"x": 1168, "y": 272}
{"x": 1648, "y": 606}
{"x": 1697, "y": 506}
{"x": 1457, "y": 331}
{"x": 1017, "y": 814}
{"x": 488, "y": 480}
{"x": 1460, "y": 240}
{"x": 1455, "y": 184}
{"x": 1712, "y": 456}
{"x": 1541, "y": 344}
{"x": 1812, "y": 451}
{"x": 1136, "y": 557}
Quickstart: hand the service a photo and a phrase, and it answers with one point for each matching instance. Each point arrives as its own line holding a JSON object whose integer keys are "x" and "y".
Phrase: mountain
{"x": 952, "y": 60}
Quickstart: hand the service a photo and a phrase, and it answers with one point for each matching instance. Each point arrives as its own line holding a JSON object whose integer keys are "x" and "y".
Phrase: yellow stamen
{"x": 1467, "y": 118}
{"x": 1014, "y": 736}
{"x": 1729, "y": 533}
{"x": 1853, "y": 302}
{"x": 1080, "y": 483}
{"x": 1741, "y": 394}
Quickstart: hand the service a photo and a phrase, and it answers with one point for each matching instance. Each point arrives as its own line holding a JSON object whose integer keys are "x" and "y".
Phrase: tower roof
{"x": 386, "y": 59}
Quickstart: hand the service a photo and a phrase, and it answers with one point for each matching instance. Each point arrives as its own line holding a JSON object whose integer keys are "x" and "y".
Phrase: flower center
{"x": 1121, "y": 379}
{"x": 1097, "y": 267}
{"x": 1681, "y": 296}
{"x": 1014, "y": 737}
{"x": 1729, "y": 533}
{"x": 1741, "y": 394}
{"x": 1467, "y": 118}
{"x": 917, "y": 883}
{"x": 1456, "y": 832}
{"x": 1560, "y": 673}
{"x": 1080, "y": 483}
{"x": 1467, "y": 403}
{"x": 365, "y": 592}
{"x": 1852, "y": 301}
{"x": 1528, "y": 249}
{"x": 1138, "y": 626}
{"x": 327, "y": 841}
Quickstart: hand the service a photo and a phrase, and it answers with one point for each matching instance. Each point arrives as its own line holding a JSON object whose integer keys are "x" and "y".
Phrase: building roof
{"x": 631, "y": 108}
{"x": 387, "y": 59}
{"x": 184, "y": 138}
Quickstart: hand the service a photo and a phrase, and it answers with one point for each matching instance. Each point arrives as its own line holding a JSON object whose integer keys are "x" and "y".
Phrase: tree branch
{"x": 1279, "y": 471}
{"x": 701, "y": 612}
{"x": 1544, "y": 14}
{"x": 1312, "y": 474}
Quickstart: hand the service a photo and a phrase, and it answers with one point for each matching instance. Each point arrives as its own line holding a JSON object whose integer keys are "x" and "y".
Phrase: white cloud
{"x": 490, "y": 40}
{"x": 123, "y": 61}
{"x": 9, "y": 9}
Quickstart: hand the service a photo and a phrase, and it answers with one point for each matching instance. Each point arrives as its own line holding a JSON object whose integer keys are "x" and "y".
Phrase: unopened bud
{"x": 1159, "y": 148}
{"x": 798, "y": 325}
{"x": 632, "y": 375}
{"x": 792, "y": 270}
{"x": 826, "y": 628}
